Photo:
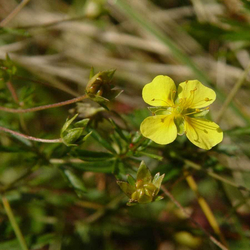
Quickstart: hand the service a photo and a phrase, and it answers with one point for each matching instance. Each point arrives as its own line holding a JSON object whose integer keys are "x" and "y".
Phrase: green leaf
{"x": 126, "y": 188}
{"x": 87, "y": 155}
{"x": 143, "y": 173}
{"x": 202, "y": 113}
{"x": 158, "y": 198}
{"x": 118, "y": 130}
{"x": 98, "y": 166}
{"x": 18, "y": 32}
{"x": 72, "y": 136}
{"x": 82, "y": 123}
{"x": 74, "y": 181}
{"x": 131, "y": 180}
{"x": 158, "y": 180}
{"x": 102, "y": 141}
{"x": 179, "y": 122}
{"x": 154, "y": 156}
{"x": 91, "y": 73}
{"x": 67, "y": 123}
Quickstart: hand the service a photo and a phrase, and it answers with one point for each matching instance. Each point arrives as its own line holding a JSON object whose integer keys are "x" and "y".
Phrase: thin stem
{"x": 13, "y": 13}
{"x": 55, "y": 105}
{"x": 14, "y": 223}
{"x": 49, "y": 24}
{"x": 205, "y": 208}
{"x": 215, "y": 176}
{"x": 12, "y": 91}
{"x": 216, "y": 242}
{"x": 28, "y": 137}
{"x": 233, "y": 93}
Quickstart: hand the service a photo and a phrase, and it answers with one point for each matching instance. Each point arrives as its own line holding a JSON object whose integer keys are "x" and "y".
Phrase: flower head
{"x": 144, "y": 189}
{"x": 179, "y": 111}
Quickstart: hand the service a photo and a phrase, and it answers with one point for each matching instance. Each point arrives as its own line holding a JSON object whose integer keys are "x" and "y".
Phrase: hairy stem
{"x": 28, "y": 137}
{"x": 49, "y": 106}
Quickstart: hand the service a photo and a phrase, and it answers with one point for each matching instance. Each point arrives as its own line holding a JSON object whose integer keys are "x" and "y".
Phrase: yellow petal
{"x": 203, "y": 133}
{"x": 160, "y": 129}
{"x": 160, "y": 92}
{"x": 195, "y": 94}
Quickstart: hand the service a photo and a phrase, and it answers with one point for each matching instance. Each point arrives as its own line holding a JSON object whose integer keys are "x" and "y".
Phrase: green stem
{"x": 14, "y": 223}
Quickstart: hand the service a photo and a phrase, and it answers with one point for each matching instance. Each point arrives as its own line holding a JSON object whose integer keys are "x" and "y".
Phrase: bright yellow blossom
{"x": 179, "y": 112}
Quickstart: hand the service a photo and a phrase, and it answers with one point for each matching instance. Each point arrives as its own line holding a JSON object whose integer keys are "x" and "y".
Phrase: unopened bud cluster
{"x": 144, "y": 189}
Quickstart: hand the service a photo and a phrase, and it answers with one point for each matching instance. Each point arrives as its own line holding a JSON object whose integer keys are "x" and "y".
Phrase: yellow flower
{"x": 179, "y": 113}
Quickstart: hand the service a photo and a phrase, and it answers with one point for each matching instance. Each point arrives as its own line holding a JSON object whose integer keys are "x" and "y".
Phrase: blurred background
{"x": 53, "y": 45}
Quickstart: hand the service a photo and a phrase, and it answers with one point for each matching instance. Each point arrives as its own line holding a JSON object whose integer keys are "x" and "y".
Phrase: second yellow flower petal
{"x": 203, "y": 133}
{"x": 160, "y": 129}
{"x": 195, "y": 94}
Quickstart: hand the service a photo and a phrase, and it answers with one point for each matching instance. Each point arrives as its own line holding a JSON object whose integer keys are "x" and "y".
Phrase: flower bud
{"x": 74, "y": 134}
{"x": 145, "y": 189}
{"x": 100, "y": 88}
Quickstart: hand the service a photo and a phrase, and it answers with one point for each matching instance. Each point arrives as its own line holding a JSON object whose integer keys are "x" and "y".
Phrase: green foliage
{"x": 74, "y": 134}
{"x": 144, "y": 189}
{"x": 65, "y": 195}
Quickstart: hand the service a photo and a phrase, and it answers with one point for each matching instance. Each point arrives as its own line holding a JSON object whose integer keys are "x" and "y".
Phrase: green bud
{"x": 100, "y": 88}
{"x": 74, "y": 134}
{"x": 145, "y": 189}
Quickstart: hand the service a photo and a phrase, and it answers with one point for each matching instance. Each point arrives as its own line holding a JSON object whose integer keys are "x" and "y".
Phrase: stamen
{"x": 207, "y": 99}
{"x": 191, "y": 98}
{"x": 197, "y": 111}
{"x": 161, "y": 101}
{"x": 172, "y": 95}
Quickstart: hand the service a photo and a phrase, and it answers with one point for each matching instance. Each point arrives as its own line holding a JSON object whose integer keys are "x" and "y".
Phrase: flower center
{"x": 178, "y": 110}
